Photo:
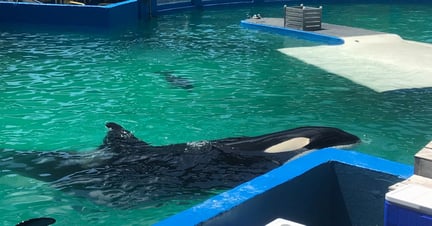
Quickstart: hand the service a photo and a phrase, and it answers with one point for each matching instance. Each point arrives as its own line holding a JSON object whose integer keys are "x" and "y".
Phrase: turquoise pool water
{"x": 58, "y": 88}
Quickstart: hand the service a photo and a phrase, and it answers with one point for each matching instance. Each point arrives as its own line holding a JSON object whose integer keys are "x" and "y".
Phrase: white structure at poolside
{"x": 380, "y": 61}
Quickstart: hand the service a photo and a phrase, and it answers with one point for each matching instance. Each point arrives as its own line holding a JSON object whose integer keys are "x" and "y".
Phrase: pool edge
{"x": 306, "y": 35}
{"x": 295, "y": 168}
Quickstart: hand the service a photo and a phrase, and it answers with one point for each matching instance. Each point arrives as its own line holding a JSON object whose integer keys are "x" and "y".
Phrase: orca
{"x": 177, "y": 81}
{"x": 126, "y": 172}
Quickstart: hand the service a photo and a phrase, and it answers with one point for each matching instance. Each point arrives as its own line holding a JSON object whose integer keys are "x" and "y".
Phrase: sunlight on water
{"x": 58, "y": 89}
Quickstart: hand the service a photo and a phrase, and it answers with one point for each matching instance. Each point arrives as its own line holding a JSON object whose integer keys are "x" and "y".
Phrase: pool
{"x": 59, "y": 87}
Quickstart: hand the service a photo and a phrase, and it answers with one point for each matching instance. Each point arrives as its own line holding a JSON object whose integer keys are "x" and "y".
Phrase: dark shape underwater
{"x": 126, "y": 172}
{"x": 176, "y": 81}
{"x": 42, "y": 221}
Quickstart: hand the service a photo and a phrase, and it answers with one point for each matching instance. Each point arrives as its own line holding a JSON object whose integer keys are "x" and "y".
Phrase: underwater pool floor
{"x": 377, "y": 60}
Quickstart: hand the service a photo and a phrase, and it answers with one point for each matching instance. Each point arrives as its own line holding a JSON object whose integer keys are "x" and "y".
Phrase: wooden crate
{"x": 303, "y": 17}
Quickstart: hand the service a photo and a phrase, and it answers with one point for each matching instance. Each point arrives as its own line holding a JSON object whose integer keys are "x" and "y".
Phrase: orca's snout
{"x": 351, "y": 138}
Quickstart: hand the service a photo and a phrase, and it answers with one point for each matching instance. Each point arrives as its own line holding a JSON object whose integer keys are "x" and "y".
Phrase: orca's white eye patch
{"x": 289, "y": 145}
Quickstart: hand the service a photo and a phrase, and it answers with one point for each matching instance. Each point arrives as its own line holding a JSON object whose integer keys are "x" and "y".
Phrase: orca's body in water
{"x": 126, "y": 171}
{"x": 177, "y": 81}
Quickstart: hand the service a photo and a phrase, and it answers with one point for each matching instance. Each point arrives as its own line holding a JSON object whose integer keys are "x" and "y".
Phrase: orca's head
{"x": 117, "y": 136}
{"x": 331, "y": 137}
{"x": 313, "y": 137}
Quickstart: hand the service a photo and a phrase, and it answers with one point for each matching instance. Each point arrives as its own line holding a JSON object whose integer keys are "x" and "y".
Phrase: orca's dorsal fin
{"x": 114, "y": 126}
{"x": 119, "y": 136}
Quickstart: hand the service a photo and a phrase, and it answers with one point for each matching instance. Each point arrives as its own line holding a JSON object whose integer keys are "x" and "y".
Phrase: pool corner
{"x": 321, "y": 176}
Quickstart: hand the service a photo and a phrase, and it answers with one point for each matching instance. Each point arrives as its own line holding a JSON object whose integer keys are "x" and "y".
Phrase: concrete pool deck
{"x": 380, "y": 61}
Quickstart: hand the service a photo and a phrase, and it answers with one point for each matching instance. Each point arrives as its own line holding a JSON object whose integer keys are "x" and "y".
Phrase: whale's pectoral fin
{"x": 118, "y": 136}
{"x": 42, "y": 221}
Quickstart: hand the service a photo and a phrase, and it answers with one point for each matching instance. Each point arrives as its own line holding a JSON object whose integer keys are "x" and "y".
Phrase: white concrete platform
{"x": 382, "y": 62}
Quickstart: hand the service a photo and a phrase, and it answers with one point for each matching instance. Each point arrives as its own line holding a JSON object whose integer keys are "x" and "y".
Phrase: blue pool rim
{"x": 234, "y": 197}
{"x": 307, "y": 35}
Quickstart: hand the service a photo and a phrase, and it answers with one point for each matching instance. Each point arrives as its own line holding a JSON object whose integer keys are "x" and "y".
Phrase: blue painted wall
{"x": 69, "y": 15}
{"x": 327, "y": 187}
{"x": 124, "y": 13}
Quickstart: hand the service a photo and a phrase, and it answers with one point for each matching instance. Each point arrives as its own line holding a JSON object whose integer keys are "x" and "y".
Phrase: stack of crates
{"x": 303, "y": 17}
